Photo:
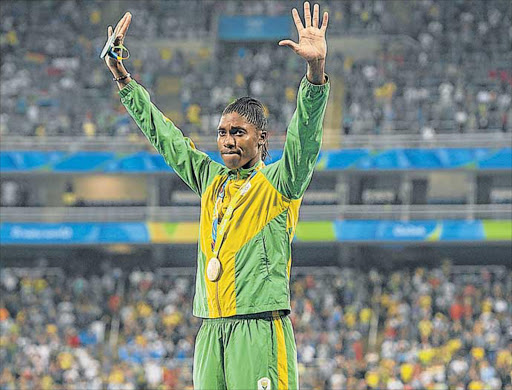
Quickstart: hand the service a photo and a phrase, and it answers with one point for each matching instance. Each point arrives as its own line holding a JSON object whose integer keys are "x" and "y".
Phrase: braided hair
{"x": 253, "y": 112}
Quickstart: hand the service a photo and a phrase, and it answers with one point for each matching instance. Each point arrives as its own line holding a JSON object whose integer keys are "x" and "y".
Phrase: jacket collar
{"x": 243, "y": 173}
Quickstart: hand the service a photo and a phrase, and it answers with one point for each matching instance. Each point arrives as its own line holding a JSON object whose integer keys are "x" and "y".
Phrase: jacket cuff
{"x": 128, "y": 88}
{"x": 314, "y": 89}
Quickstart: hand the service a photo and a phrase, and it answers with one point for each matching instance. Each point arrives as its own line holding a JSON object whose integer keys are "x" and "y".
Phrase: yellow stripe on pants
{"x": 282, "y": 360}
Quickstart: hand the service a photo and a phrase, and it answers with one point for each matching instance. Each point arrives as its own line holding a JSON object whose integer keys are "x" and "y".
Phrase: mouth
{"x": 230, "y": 153}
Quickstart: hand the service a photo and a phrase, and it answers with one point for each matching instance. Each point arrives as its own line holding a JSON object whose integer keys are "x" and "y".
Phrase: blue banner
{"x": 254, "y": 28}
{"x": 73, "y": 233}
{"x": 350, "y": 159}
{"x": 428, "y": 230}
{"x": 385, "y": 230}
{"x": 322, "y": 231}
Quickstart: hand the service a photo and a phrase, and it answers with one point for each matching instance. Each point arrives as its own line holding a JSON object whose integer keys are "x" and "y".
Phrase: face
{"x": 239, "y": 141}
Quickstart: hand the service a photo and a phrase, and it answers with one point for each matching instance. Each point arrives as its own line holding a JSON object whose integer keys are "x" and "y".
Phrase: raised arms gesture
{"x": 116, "y": 66}
{"x": 312, "y": 45}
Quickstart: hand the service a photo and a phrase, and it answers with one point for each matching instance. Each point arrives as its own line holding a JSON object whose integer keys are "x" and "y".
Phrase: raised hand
{"x": 120, "y": 32}
{"x": 312, "y": 45}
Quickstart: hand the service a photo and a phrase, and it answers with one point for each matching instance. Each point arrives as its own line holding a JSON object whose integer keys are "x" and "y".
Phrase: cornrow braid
{"x": 253, "y": 111}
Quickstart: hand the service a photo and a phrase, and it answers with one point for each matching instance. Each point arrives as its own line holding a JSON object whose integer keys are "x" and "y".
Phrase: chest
{"x": 247, "y": 199}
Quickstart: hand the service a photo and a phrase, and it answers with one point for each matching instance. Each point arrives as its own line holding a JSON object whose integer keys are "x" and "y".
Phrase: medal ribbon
{"x": 112, "y": 53}
{"x": 218, "y": 235}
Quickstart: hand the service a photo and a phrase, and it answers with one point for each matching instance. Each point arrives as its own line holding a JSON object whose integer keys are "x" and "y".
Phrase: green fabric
{"x": 194, "y": 167}
{"x": 200, "y": 305}
{"x": 235, "y": 354}
{"x": 261, "y": 282}
{"x": 242, "y": 173}
{"x": 292, "y": 174}
{"x": 291, "y": 353}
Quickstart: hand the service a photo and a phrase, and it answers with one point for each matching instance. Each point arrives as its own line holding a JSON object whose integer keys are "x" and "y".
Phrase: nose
{"x": 229, "y": 141}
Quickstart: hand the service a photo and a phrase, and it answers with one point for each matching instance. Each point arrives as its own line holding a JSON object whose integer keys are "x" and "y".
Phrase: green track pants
{"x": 245, "y": 354}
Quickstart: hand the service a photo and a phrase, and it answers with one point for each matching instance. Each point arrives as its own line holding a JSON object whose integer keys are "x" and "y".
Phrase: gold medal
{"x": 213, "y": 269}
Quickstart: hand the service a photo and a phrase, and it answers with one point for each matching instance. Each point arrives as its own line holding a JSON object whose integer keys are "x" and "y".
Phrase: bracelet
{"x": 122, "y": 77}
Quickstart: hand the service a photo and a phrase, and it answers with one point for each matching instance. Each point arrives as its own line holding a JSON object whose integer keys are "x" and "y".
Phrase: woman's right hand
{"x": 120, "y": 31}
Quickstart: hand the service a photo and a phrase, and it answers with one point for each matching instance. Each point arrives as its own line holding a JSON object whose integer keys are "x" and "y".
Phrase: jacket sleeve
{"x": 193, "y": 166}
{"x": 292, "y": 174}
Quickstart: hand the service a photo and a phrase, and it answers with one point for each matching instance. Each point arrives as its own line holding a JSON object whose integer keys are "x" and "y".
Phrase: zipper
{"x": 217, "y": 298}
{"x": 265, "y": 251}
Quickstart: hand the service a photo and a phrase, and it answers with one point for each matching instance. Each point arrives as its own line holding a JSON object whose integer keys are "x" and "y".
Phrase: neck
{"x": 251, "y": 163}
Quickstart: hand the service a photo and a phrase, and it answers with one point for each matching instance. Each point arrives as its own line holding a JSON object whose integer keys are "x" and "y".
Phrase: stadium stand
{"x": 422, "y": 103}
{"x": 452, "y": 76}
{"x": 443, "y": 327}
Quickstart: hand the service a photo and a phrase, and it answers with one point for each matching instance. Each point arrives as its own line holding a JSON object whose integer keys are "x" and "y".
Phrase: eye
{"x": 221, "y": 133}
{"x": 239, "y": 132}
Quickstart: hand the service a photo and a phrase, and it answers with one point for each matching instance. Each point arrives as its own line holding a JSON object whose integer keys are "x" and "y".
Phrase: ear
{"x": 263, "y": 137}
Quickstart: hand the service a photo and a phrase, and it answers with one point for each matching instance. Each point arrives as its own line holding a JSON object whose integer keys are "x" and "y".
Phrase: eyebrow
{"x": 232, "y": 128}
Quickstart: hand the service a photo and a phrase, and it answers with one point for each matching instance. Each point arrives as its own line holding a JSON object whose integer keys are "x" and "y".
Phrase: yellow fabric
{"x": 425, "y": 301}
{"x": 372, "y": 379}
{"x": 143, "y": 309}
{"x": 282, "y": 358}
{"x": 51, "y": 329}
{"x": 65, "y": 360}
{"x": 426, "y": 355}
{"x": 224, "y": 210}
{"x": 350, "y": 319}
{"x": 365, "y": 315}
{"x": 487, "y": 306}
{"x": 291, "y": 224}
{"x": 454, "y": 345}
{"x": 478, "y": 353}
{"x": 12, "y": 38}
{"x": 40, "y": 285}
{"x": 285, "y": 180}
{"x": 503, "y": 358}
{"x": 425, "y": 327}
{"x": 116, "y": 376}
{"x": 47, "y": 383}
{"x": 89, "y": 129}
{"x": 406, "y": 371}
{"x": 247, "y": 218}
{"x": 475, "y": 385}
{"x": 193, "y": 114}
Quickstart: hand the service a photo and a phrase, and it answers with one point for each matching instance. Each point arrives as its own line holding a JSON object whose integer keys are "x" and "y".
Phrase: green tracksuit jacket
{"x": 256, "y": 252}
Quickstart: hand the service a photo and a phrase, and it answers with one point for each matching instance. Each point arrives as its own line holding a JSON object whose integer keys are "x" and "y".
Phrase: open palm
{"x": 312, "y": 45}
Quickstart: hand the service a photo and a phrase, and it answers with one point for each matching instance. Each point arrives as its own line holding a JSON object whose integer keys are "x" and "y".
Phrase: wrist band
{"x": 122, "y": 77}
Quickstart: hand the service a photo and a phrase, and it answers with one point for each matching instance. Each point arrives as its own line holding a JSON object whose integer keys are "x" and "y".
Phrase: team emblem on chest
{"x": 264, "y": 384}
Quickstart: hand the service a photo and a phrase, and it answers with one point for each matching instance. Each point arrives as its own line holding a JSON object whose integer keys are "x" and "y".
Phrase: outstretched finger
{"x": 126, "y": 23}
{"x": 325, "y": 21}
{"x": 292, "y": 45}
{"x": 316, "y": 10}
{"x": 109, "y": 31}
{"x": 118, "y": 25}
{"x": 307, "y": 14}
{"x": 296, "y": 19}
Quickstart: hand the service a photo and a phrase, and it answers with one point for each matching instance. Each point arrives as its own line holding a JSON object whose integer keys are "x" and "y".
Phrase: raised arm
{"x": 116, "y": 66}
{"x": 194, "y": 167}
{"x": 292, "y": 174}
{"x": 312, "y": 45}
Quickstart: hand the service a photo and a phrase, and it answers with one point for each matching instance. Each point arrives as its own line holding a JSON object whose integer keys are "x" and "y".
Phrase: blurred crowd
{"x": 455, "y": 77}
{"x": 440, "y": 66}
{"x": 442, "y": 328}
